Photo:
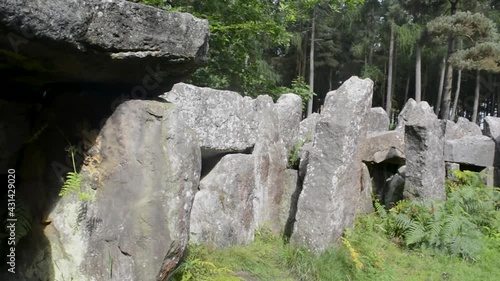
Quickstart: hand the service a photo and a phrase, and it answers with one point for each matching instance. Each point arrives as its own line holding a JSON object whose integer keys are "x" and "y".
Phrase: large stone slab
{"x": 384, "y": 146}
{"x": 223, "y": 211}
{"x": 270, "y": 161}
{"x": 471, "y": 150}
{"x": 492, "y": 128}
{"x": 289, "y": 111}
{"x": 412, "y": 111}
{"x": 93, "y": 41}
{"x": 366, "y": 200}
{"x": 224, "y": 121}
{"x": 259, "y": 127}
{"x": 307, "y": 127}
{"x": 144, "y": 167}
{"x": 332, "y": 188}
{"x": 425, "y": 171}
{"x": 378, "y": 120}
{"x": 468, "y": 128}
{"x": 462, "y": 128}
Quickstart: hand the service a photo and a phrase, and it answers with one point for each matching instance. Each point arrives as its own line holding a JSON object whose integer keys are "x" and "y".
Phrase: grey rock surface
{"x": 270, "y": 161}
{"x": 144, "y": 167}
{"x": 223, "y": 211}
{"x": 384, "y": 146}
{"x": 394, "y": 190}
{"x": 289, "y": 111}
{"x": 492, "y": 128}
{"x": 450, "y": 167}
{"x": 96, "y": 41}
{"x": 288, "y": 206}
{"x": 472, "y": 150}
{"x": 425, "y": 172}
{"x": 332, "y": 188}
{"x": 366, "y": 200}
{"x": 378, "y": 120}
{"x": 308, "y": 127}
{"x": 462, "y": 128}
{"x": 224, "y": 121}
{"x": 468, "y": 128}
{"x": 412, "y": 111}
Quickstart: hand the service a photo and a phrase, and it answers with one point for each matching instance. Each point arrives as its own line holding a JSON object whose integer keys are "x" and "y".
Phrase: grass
{"x": 366, "y": 254}
{"x": 380, "y": 247}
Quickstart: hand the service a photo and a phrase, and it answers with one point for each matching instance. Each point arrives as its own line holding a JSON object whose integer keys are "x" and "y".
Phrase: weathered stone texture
{"x": 331, "y": 191}
{"x": 425, "y": 172}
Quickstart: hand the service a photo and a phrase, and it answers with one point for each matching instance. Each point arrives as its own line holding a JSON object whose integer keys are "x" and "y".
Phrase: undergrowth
{"x": 457, "y": 239}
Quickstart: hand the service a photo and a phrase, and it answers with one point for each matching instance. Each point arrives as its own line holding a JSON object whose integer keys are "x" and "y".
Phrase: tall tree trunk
{"x": 388, "y": 102}
{"x": 440, "y": 91}
{"x": 395, "y": 70}
{"x": 311, "y": 63}
{"x": 476, "y": 97}
{"x": 304, "y": 55}
{"x": 445, "y": 104}
{"x": 457, "y": 94}
{"x": 407, "y": 90}
{"x": 425, "y": 79}
{"x": 418, "y": 73}
{"x": 330, "y": 80}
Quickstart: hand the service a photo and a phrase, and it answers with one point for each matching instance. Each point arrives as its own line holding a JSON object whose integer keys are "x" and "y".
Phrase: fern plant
{"x": 73, "y": 183}
{"x": 456, "y": 226}
{"x": 197, "y": 267}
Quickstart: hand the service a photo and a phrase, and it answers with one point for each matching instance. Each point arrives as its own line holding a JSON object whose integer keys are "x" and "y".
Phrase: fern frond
{"x": 415, "y": 234}
{"x": 72, "y": 184}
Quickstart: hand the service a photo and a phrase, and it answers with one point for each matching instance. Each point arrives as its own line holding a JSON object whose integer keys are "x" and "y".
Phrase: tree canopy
{"x": 270, "y": 47}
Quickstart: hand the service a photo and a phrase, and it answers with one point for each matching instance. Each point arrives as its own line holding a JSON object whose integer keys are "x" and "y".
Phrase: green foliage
{"x": 293, "y": 157}
{"x": 365, "y": 253}
{"x": 73, "y": 183}
{"x": 300, "y": 88}
{"x": 195, "y": 268}
{"x": 373, "y": 72}
{"x": 484, "y": 56}
{"x": 457, "y": 226}
{"x": 477, "y": 28}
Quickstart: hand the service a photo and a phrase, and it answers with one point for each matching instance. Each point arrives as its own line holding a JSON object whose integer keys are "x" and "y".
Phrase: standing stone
{"x": 289, "y": 206}
{"x": 270, "y": 160}
{"x": 307, "y": 127}
{"x": 425, "y": 172}
{"x": 223, "y": 210}
{"x": 412, "y": 112}
{"x": 289, "y": 111}
{"x": 366, "y": 200}
{"x": 492, "y": 128}
{"x": 394, "y": 190}
{"x": 144, "y": 167}
{"x": 468, "y": 128}
{"x": 378, "y": 120}
{"x": 331, "y": 191}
